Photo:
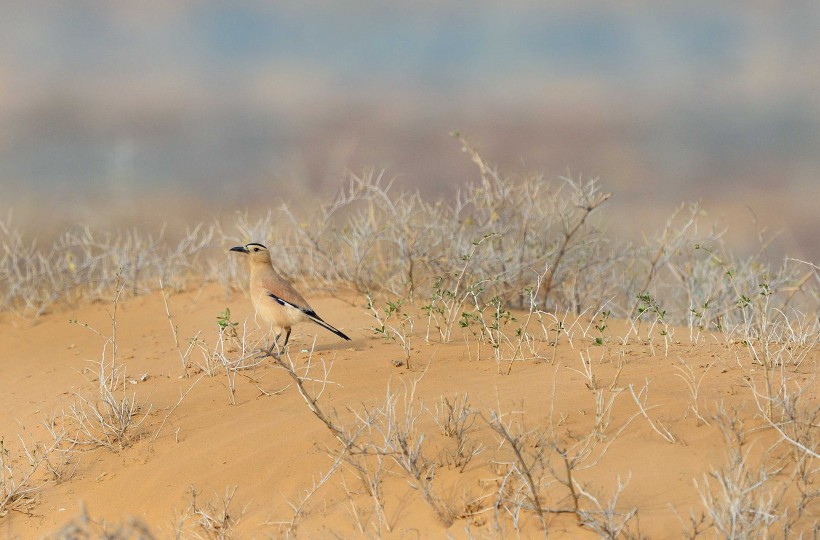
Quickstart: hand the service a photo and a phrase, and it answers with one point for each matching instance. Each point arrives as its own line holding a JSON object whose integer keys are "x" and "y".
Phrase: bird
{"x": 274, "y": 299}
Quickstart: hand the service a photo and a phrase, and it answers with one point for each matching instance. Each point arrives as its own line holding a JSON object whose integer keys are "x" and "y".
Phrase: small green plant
{"x": 601, "y": 326}
{"x": 649, "y": 306}
{"x": 435, "y": 307}
{"x": 559, "y": 327}
{"x": 445, "y": 303}
{"x": 698, "y": 320}
{"x": 401, "y": 331}
{"x": 224, "y": 320}
{"x": 492, "y": 319}
{"x": 499, "y": 318}
{"x": 489, "y": 323}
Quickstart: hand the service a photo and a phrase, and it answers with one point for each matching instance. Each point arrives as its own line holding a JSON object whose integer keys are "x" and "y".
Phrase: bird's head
{"x": 257, "y": 252}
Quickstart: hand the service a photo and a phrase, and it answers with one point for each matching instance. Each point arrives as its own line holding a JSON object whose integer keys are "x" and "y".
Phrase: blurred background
{"x": 116, "y": 113}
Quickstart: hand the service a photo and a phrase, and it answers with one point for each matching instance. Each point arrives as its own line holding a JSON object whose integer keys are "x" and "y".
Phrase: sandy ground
{"x": 271, "y": 448}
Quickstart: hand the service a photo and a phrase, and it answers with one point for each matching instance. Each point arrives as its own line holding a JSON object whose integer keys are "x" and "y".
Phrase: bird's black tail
{"x": 318, "y": 320}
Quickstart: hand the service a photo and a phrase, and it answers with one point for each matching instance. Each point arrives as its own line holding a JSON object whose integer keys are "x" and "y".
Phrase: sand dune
{"x": 272, "y": 449}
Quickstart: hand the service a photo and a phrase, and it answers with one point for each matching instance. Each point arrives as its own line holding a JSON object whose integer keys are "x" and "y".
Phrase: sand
{"x": 265, "y": 442}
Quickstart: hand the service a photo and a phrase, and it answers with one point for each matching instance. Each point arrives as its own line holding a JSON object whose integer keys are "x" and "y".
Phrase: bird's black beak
{"x": 240, "y": 249}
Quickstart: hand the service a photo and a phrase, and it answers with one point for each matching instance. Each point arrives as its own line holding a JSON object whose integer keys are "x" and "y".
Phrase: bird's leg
{"x": 274, "y": 345}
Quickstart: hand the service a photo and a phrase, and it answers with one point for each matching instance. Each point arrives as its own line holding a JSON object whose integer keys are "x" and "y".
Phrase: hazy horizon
{"x": 227, "y": 104}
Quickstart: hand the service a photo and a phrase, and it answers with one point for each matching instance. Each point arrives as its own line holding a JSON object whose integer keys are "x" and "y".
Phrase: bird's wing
{"x": 284, "y": 293}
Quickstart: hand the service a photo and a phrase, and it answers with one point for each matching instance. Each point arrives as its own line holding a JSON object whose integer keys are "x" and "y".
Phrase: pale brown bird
{"x": 274, "y": 299}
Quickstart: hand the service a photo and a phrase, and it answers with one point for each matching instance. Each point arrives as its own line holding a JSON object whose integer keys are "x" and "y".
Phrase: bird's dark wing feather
{"x": 312, "y": 315}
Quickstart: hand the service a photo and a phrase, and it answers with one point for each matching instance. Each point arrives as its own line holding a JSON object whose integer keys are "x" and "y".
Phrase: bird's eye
{"x": 256, "y": 249}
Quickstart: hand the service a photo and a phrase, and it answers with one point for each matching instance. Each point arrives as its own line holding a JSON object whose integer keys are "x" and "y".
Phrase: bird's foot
{"x": 272, "y": 351}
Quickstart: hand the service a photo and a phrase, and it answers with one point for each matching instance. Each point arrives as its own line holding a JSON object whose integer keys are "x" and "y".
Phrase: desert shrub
{"x": 490, "y": 240}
